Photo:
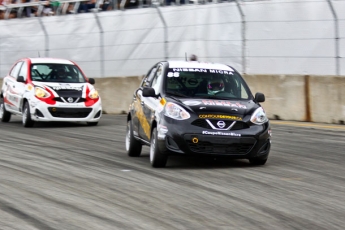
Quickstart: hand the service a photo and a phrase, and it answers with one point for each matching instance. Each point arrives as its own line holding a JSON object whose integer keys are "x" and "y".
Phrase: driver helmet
{"x": 215, "y": 85}
{"x": 61, "y": 73}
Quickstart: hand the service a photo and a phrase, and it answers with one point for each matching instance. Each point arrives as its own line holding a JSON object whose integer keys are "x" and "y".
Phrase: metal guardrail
{"x": 63, "y": 7}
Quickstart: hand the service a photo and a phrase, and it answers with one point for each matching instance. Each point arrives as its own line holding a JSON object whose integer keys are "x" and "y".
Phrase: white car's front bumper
{"x": 41, "y": 111}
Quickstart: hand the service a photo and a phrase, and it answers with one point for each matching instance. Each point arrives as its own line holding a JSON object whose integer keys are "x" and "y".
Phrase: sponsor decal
{"x": 219, "y": 116}
{"x": 67, "y": 86}
{"x": 191, "y": 103}
{"x": 200, "y": 70}
{"x": 221, "y": 71}
{"x": 221, "y": 133}
{"x": 223, "y": 103}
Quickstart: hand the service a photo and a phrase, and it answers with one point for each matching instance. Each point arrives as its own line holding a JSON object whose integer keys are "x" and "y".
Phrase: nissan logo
{"x": 70, "y": 100}
{"x": 221, "y": 124}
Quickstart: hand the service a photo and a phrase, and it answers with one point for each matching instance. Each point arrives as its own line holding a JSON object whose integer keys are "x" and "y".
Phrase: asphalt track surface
{"x": 71, "y": 176}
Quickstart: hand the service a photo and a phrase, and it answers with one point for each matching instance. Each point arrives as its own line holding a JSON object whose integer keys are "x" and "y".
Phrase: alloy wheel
{"x": 128, "y": 139}
{"x": 152, "y": 148}
{"x": 1, "y": 110}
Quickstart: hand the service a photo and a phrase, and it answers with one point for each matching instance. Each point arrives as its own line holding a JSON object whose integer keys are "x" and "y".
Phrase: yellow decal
{"x": 163, "y": 101}
{"x": 142, "y": 119}
{"x": 218, "y": 116}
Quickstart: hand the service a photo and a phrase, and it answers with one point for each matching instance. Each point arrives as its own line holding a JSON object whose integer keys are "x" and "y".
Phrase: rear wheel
{"x": 4, "y": 115}
{"x": 27, "y": 121}
{"x": 257, "y": 161}
{"x": 133, "y": 146}
{"x": 157, "y": 159}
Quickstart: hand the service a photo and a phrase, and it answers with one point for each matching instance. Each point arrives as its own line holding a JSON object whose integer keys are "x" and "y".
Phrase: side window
{"x": 15, "y": 70}
{"x": 148, "y": 78}
{"x": 157, "y": 79}
{"x": 24, "y": 71}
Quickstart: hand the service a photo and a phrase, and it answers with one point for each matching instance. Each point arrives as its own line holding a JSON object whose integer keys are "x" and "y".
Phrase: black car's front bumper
{"x": 183, "y": 138}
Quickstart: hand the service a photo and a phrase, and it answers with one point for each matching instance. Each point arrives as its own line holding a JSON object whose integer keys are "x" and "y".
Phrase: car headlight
{"x": 41, "y": 93}
{"x": 93, "y": 94}
{"x": 259, "y": 116}
{"x": 175, "y": 111}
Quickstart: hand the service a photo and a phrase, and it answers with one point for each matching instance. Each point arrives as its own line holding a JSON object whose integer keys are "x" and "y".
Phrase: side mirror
{"x": 149, "y": 92}
{"x": 92, "y": 81}
{"x": 20, "y": 79}
{"x": 259, "y": 97}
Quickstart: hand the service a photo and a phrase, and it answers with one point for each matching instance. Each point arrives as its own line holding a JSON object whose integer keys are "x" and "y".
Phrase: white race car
{"x": 48, "y": 89}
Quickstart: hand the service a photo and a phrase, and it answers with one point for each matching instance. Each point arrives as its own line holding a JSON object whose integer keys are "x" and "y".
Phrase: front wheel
{"x": 27, "y": 121}
{"x": 157, "y": 159}
{"x": 4, "y": 115}
{"x": 133, "y": 146}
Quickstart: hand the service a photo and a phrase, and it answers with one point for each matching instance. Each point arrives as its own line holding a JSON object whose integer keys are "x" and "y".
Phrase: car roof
{"x": 199, "y": 65}
{"x": 51, "y": 60}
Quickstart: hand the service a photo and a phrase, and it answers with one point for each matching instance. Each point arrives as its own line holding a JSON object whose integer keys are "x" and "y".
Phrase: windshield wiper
{"x": 176, "y": 94}
{"x": 218, "y": 97}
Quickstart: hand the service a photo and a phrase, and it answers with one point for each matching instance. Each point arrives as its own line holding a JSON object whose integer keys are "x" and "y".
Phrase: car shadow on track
{"x": 195, "y": 162}
{"x": 205, "y": 162}
{"x": 18, "y": 122}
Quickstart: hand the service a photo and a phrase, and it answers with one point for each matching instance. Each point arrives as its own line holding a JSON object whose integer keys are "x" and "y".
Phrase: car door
{"x": 138, "y": 118}
{"x": 150, "y": 104}
{"x": 20, "y": 86}
{"x": 13, "y": 90}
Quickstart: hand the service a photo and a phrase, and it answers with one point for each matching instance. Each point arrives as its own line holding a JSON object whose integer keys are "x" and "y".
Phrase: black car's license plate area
{"x": 219, "y": 145}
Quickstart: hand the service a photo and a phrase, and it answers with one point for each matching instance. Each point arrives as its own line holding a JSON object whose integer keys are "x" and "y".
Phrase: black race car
{"x": 194, "y": 108}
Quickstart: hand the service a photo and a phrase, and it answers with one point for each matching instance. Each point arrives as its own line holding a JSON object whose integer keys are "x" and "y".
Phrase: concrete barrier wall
{"x": 327, "y": 99}
{"x": 285, "y": 95}
{"x": 288, "y": 97}
{"x": 117, "y": 93}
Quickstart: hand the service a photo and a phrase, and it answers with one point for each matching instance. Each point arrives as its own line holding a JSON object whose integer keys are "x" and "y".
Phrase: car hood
{"x": 66, "y": 89}
{"x": 206, "y": 107}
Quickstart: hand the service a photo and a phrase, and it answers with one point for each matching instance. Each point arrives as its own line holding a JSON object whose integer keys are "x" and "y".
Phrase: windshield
{"x": 56, "y": 73}
{"x": 205, "y": 83}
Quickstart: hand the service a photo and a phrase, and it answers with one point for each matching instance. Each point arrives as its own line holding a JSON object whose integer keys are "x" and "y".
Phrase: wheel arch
{"x": 24, "y": 100}
{"x": 154, "y": 125}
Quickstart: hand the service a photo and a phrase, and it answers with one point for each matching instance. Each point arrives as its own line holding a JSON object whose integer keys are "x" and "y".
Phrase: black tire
{"x": 133, "y": 146}
{"x": 27, "y": 122}
{"x": 92, "y": 123}
{"x": 258, "y": 161}
{"x": 157, "y": 159}
{"x": 5, "y": 116}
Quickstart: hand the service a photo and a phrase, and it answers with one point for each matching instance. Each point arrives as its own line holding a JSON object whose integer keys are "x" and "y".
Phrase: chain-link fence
{"x": 255, "y": 37}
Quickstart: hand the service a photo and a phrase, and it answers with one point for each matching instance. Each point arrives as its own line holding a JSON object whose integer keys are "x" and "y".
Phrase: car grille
{"x": 220, "y": 145}
{"x": 203, "y": 124}
{"x": 230, "y": 149}
{"x": 69, "y": 112}
{"x": 65, "y": 99}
